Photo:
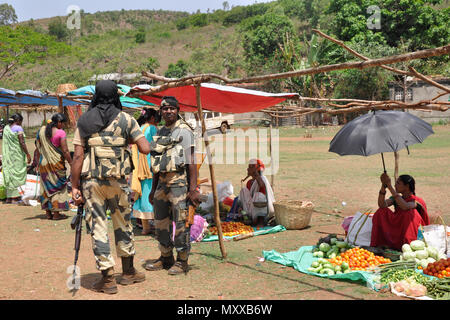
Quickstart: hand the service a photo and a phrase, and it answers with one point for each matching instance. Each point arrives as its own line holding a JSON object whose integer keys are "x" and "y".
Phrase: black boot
{"x": 129, "y": 274}
{"x": 160, "y": 263}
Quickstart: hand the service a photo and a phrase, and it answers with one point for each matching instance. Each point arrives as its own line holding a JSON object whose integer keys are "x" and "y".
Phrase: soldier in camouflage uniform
{"x": 174, "y": 187}
{"x": 103, "y": 162}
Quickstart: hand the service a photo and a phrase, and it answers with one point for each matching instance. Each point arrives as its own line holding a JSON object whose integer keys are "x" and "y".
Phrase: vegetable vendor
{"x": 257, "y": 197}
{"x": 395, "y": 228}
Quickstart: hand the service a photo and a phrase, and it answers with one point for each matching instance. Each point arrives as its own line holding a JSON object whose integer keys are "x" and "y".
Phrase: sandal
{"x": 49, "y": 215}
{"x": 60, "y": 217}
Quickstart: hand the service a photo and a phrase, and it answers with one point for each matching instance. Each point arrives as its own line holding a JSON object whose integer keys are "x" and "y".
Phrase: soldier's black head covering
{"x": 104, "y": 108}
{"x": 170, "y": 101}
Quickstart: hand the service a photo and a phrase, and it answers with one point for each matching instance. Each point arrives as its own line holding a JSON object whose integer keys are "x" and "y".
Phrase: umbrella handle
{"x": 384, "y": 166}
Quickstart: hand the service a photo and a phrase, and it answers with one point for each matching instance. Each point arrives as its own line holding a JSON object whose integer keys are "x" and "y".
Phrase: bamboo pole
{"x": 212, "y": 173}
{"x": 396, "y": 156}
{"x": 272, "y": 177}
{"x": 60, "y": 104}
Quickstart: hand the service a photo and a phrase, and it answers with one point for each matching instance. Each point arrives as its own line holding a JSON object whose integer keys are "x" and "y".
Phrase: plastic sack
{"x": 346, "y": 223}
{"x": 224, "y": 190}
{"x": 360, "y": 230}
{"x": 31, "y": 190}
{"x": 198, "y": 229}
{"x": 436, "y": 235}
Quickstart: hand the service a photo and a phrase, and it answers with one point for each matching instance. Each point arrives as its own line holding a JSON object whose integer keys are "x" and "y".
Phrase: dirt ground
{"x": 35, "y": 253}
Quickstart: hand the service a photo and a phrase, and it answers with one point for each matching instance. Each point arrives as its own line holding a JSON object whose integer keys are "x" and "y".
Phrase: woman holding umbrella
{"x": 395, "y": 228}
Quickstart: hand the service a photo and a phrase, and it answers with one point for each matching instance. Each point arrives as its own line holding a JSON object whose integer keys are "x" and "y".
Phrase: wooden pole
{"x": 272, "y": 177}
{"x": 60, "y": 104}
{"x": 396, "y": 156}
{"x": 211, "y": 171}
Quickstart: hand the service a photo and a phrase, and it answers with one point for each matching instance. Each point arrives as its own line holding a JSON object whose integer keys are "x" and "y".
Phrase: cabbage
{"x": 430, "y": 260}
{"x": 417, "y": 245}
{"x": 406, "y": 248}
{"x": 433, "y": 252}
{"x": 324, "y": 247}
{"x": 424, "y": 263}
{"x": 421, "y": 254}
{"x": 442, "y": 256}
{"x": 409, "y": 256}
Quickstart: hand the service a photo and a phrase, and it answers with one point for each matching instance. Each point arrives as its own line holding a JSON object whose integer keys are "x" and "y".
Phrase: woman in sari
{"x": 257, "y": 189}
{"x": 15, "y": 158}
{"x": 395, "y": 228}
{"x": 51, "y": 156}
{"x": 142, "y": 176}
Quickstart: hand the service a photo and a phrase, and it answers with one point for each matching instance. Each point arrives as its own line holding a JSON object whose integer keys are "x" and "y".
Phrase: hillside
{"x": 106, "y": 43}
{"x": 244, "y": 40}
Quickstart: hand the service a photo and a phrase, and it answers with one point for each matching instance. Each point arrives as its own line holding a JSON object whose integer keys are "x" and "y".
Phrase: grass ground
{"x": 35, "y": 252}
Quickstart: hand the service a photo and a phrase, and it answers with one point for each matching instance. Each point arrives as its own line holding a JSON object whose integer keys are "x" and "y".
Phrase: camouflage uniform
{"x": 106, "y": 165}
{"x": 170, "y": 156}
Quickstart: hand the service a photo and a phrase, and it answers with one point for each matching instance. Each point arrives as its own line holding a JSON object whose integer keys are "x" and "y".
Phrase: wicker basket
{"x": 293, "y": 214}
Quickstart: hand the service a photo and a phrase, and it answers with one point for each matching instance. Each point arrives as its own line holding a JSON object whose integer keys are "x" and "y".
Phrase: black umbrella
{"x": 378, "y": 132}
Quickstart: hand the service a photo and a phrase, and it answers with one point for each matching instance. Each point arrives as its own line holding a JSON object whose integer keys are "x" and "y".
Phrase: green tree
{"x": 178, "y": 70}
{"x": 262, "y": 37}
{"x": 22, "y": 45}
{"x": 411, "y": 20}
{"x": 58, "y": 29}
{"x": 182, "y": 23}
{"x": 151, "y": 64}
{"x": 199, "y": 20}
{"x": 140, "y": 36}
{"x": 7, "y": 14}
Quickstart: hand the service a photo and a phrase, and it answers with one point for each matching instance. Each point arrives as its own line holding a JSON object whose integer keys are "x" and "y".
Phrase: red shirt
{"x": 250, "y": 183}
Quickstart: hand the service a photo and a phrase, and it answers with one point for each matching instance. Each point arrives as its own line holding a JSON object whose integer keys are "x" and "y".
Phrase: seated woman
{"x": 257, "y": 190}
{"x": 395, "y": 228}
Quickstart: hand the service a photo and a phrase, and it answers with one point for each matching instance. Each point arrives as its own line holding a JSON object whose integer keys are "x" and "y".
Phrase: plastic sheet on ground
{"x": 265, "y": 230}
{"x": 301, "y": 260}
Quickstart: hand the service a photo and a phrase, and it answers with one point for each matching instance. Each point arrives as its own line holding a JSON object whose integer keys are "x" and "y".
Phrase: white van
{"x": 213, "y": 120}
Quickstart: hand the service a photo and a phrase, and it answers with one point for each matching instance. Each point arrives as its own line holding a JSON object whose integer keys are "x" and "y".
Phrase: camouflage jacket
{"x": 107, "y": 154}
{"x": 168, "y": 154}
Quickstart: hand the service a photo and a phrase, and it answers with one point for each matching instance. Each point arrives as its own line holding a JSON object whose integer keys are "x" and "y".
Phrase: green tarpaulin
{"x": 301, "y": 260}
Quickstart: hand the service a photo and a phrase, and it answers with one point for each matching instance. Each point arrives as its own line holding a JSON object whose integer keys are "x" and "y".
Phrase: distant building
{"x": 123, "y": 78}
{"x": 419, "y": 90}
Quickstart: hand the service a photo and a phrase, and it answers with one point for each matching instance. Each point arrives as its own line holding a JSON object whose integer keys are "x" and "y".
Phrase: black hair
{"x": 172, "y": 101}
{"x": 17, "y": 117}
{"x": 147, "y": 114}
{"x": 408, "y": 180}
{"x": 57, "y": 117}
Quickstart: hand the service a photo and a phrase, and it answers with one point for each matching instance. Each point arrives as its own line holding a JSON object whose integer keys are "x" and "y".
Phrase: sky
{"x": 38, "y": 9}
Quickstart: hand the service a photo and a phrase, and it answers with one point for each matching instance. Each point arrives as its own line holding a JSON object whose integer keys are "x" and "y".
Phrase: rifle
{"x": 77, "y": 225}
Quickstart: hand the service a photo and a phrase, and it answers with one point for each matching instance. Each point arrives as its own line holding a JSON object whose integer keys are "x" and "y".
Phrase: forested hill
{"x": 239, "y": 41}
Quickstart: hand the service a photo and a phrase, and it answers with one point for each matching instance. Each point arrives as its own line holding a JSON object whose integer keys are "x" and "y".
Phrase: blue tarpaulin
{"x": 31, "y": 97}
{"x": 125, "y": 101}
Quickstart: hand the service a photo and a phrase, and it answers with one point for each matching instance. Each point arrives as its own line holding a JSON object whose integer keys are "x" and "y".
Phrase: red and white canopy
{"x": 218, "y": 98}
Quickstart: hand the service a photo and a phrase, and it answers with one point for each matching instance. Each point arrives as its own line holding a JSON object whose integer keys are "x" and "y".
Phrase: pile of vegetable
{"x": 438, "y": 289}
{"x": 330, "y": 247}
{"x": 439, "y": 269}
{"x": 341, "y": 256}
{"x": 323, "y": 266}
{"x": 359, "y": 259}
{"x": 231, "y": 228}
{"x": 397, "y": 271}
{"x": 418, "y": 252}
{"x": 410, "y": 287}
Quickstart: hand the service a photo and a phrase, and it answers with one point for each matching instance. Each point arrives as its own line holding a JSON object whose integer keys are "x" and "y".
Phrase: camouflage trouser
{"x": 101, "y": 195}
{"x": 170, "y": 206}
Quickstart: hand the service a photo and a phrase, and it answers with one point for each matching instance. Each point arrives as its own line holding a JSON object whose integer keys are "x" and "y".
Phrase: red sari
{"x": 395, "y": 228}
